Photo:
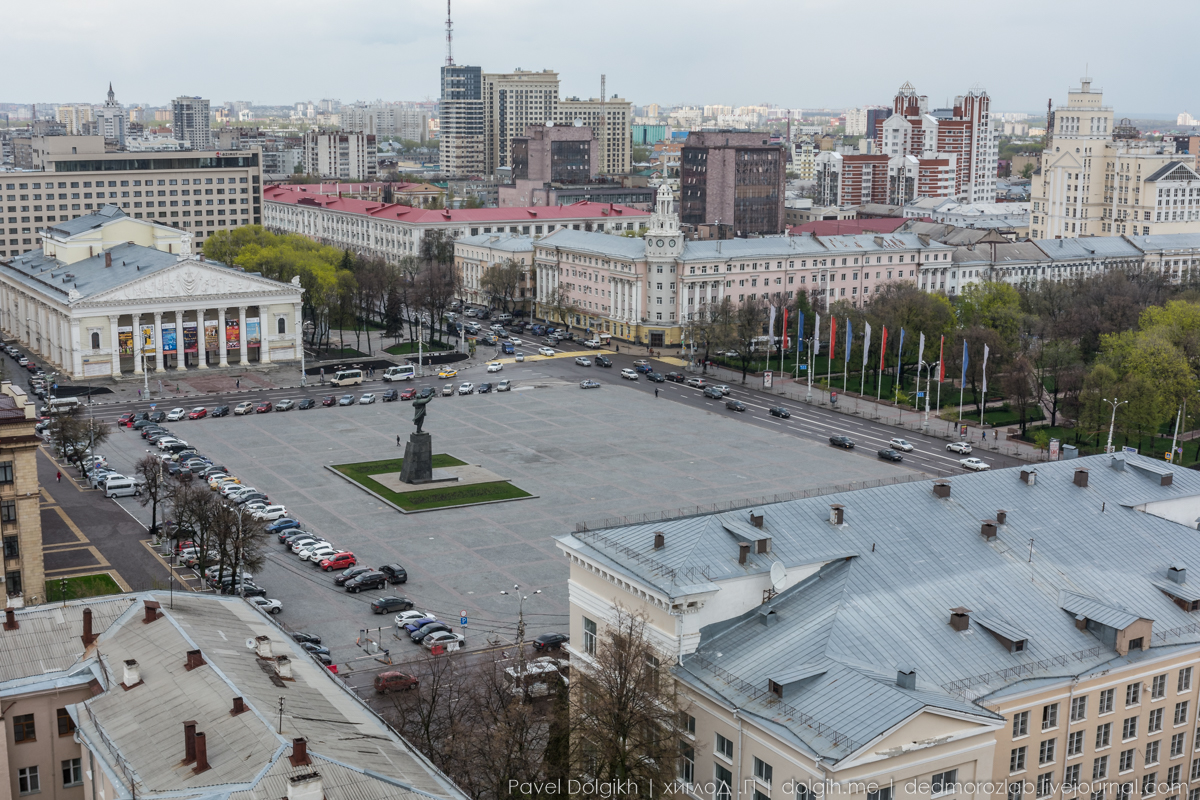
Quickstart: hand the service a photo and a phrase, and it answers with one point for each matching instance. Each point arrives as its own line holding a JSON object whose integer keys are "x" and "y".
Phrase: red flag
{"x": 942, "y": 361}
{"x": 832, "y": 336}
{"x": 883, "y": 350}
{"x": 785, "y": 330}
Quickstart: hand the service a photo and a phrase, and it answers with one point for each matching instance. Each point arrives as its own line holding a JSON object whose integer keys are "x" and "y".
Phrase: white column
{"x": 264, "y": 337}
{"x": 137, "y": 343}
{"x": 160, "y": 364}
{"x": 298, "y": 330}
{"x": 201, "y": 345}
{"x": 179, "y": 357}
{"x": 116, "y": 346}
{"x": 221, "y": 337}
{"x": 76, "y": 352}
{"x": 242, "y": 336}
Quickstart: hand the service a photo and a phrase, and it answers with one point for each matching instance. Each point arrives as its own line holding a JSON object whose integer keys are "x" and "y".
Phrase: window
{"x": 1046, "y": 752}
{"x": 281, "y": 325}
{"x": 1133, "y": 692}
{"x": 1158, "y": 687}
{"x": 589, "y": 636}
{"x": 762, "y": 771}
{"x": 1152, "y": 751}
{"x": 72, "y": 771}
{"x": 687, "y": 763}
{"x": 1050, "y": 716}
{"x": 1100, "y": 768}
{"x": 23, "y": 730}
{"x": 1016, "y": 759}
{"x": 944, "y": 782}
{"x": 1154, "y": 725}
{"x": 724, "y": 747}
{"x": 1173, "y": 775}
{"x": 1014, "y": 791}
{"x": 1178, "y": 743}
{"x": 1071, "y": 777}
{"x": 882, "y": 793}
{"x": 1129, "y": 728}
{"x": 724, "y": 779}
{"x": 1045, "y": 783}
{"x": 1195, "y": 776}
{"x": 1074, "y": 743}
{"x": 6, "y": 472}
{"x": 1106, "y": 701}
{"x": 1103, "y": 735}
{"x": 66, "y": 725}
{"x": 28, "y": 781}
{"x": 1078, "y": 709}
{"x": 1020, "y": 724}
{"x": 1126, "y": 762}
{"x": 12, "y": 547}
{"x": 1181, "y": 712}
{"x": 1185, "y": 680}
{"x": 1148, "y": 781}
{"x": 688, "y": 723}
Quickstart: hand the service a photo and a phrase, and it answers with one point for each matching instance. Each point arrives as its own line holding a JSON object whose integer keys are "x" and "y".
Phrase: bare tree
{"x": 710, "y": 328}
{"x": 74, "y": 437}
{"x": 502, "y": 283}
{"x": 154, "y": 486}
{"x": 749, "y": 322}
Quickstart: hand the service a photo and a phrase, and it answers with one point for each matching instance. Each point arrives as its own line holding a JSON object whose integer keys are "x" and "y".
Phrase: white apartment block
{"x": 190, "y": 123}
{"x": 403, "y": 120}
{"x": 340, "y": 155}
{"x": 513, "y": 101}
{"x": 75, "y": 117}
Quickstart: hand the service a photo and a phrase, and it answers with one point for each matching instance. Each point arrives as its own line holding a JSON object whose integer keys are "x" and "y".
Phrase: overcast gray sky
{"x": 802, "y": 53}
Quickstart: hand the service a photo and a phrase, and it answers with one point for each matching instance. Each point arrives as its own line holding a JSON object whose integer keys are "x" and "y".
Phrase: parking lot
{"x": 586, "y": 455}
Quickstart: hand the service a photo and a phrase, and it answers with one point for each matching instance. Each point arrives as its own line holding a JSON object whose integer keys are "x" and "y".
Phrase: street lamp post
{"x": 1112, "y": 423}
{"x": 521, "y": 598}
{"x": 928, "y": 380}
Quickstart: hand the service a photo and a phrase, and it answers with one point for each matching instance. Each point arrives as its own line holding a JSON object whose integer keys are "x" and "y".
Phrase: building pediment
{"x": 194, "y": 279}
{"x": 1067, "y": 160}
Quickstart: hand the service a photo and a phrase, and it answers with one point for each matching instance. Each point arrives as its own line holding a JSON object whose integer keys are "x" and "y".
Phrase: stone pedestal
{"x": 418, "y": 459}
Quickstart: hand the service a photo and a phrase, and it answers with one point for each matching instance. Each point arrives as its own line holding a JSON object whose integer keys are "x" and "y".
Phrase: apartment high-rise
{"x": 111, "y": 119}
{"x": 75, "y": 117}
{"x": 611, "y": 122}
{"x": 1102, "y": 179}
{"x": 405, "y": 120}
{"x": 733, "y": 177}
{"x": 21, "y": 523}
{"x": 341, "y": 155}
{"x": 461, "y": 124}
{"x": 190, "y": 124}
{"x": 512, "y": 102}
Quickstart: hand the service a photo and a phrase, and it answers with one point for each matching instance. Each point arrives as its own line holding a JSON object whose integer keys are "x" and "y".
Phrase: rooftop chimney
{"x": 133, "y": 675}
{"x": 10, "y": 620}
{"x": 837, "y": 513}
{"x": 262, "y": 646}
{"x": 659, "y": 540}
{"x": 756, "y": 519}
{"x": 1081, "y": 477}
{"x": 194, "y": 659}
{"x": 988, "y": 529}
{"x": 88, "y": 636}
{"x": 201, "y": 753}
{"x": 189, "y": 741}
{"x": 306, "y": 787}
{"x": 283, "y": 667}
{"x": 1029, "y": 476}
{"x": 1081, "y": 622}
{"x": 906, "y": 678}
{"x": 239, "y": 707}
{"x": 1177, "y": 573}
{"x": 107, "y": 260}
{"x": 941, "y": 488}
{"x": 152, "y": 611}
{"x": 743, "y": 552}
{"x": 959, "y": 619}
{"x": 299, "y": 754}
{"x": 1001, "y": 517}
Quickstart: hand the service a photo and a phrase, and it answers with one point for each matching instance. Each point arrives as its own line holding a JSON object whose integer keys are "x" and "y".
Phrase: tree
{"x": 1027, "y": 170}
{"x": 1018, "y": 386}
{"x": 76, "y": 438}
{"x": 501, "y": 283}
{"x": 1057, "y": 367}
{"x": 626, "y": 712}
{"x": 710, "y": 328}
{"x": 149, "y": 470}
{"x": 992, "y": 304}
{"x": 749, "y": 319}
{"x": 1099, "y": 386}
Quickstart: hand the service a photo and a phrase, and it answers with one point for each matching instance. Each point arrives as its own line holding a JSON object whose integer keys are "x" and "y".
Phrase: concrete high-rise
{"x": 735, "y": 178}
{"x": 611, "y": 122}
{"x": 111, "y": 119}
{"x": 512, "y": 102}
{"x": 190, "y": 123}
{"x": 461, "y": 124}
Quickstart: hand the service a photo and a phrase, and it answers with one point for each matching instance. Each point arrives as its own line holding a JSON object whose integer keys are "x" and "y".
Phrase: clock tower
{"x": 664, "y": 239}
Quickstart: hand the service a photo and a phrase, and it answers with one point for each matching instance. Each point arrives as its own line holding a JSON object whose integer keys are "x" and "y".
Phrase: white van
{"x": 61, "y": 405}
{"x": 121, "y": 487}
{"x": 347, "y": 377}
{"x": 505, "y": 317}
{"x": 405, "y": 372}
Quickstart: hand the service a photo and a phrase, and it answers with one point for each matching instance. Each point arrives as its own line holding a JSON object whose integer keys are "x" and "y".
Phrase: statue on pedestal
{"x": 419, "y": 412}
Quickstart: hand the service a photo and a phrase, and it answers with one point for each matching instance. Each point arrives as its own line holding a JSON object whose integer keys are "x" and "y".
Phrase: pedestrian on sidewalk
{"x": 397, "y": 440}
{"x": 139, "y": 394}
{"x": 656, "y": 391}
{"x": 58, "y": 476}
{"x": 238, "y": 383}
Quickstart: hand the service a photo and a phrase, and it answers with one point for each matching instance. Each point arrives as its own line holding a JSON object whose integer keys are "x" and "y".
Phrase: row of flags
{"x": 833, "y": 326}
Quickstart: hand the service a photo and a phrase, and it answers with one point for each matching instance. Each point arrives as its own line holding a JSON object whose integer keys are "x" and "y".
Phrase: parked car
{"x": 176, "y": 414}
{"x": 306, "y": 403}
{"x": 395, "y": 573}
{"x": 426, "y": 391}
{"x": 309, "y": 638}
{"x": 550, "y": 641}
{"x": 265, "y": 407}
{"x": 735, "y": 405}
{"x": 269, "y": 513}
{"x": 315, "y": 649}
{"x": 367, "y": 399}
{"x": 603, "y": 361}
{"x": 318, "y": 552}
{"x": 367, "y": 580}
{"x": 383, "y": 605}
{"x": 390, "y": 395}
{"x": 409, "y": 393}
{"x": 405, "y": 617}
{"x": 629, "y": 374}
{"x": 483, "y": 388}
{"x": 125, "y": 420}
{"x": 285, "y": 405}
{"x": 588, "y": 383}
{"x": 269, "y": 606}
{"x": 198, "y": 413}
{"x": 341, "y": 560}
{"x": 282, "y": 524}
{"x": 842, "y": 441}
{"x": 243, "y": 409}
{"x": 220, "y": 411}
{"x": 420, "y": 633}
{"x": 346, "y": 400}
{"x": 582, "y": 361}
{"x": 963, "y": 448}
{"x": 888, "y": 454}
{"x": 466, "y": 388}
{"x": 974, "y": 464}
{"x": 158, "y": 416}
{"x": 443, "y": 638}
{"x": 504, "y": 386}
{"x": 774, "y": 411}
{"x": 896, "y": 443}
{"x": 448, "y": 390}
{"x": 394, "y": 682}
{"x": 328, "y": 400}
{"x": 350, "y": 574}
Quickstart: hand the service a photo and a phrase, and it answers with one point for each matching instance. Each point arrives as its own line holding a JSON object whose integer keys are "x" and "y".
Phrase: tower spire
{"x": 449, "y": 37}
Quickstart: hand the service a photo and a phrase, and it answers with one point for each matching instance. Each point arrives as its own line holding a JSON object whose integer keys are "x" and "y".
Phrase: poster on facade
{"x": 210, "y": 335}
{"x": 125, "y": 340}
{"x": 232, "y": 337}
{"x": 169, "y": 341}
{"x": 148, "y": 340}
{"x": 189, "y": 337}
{"x": 767, "y": 379}
{"x": 252, "y": 332}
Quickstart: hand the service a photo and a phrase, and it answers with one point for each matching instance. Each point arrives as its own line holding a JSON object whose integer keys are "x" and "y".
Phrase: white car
{"x": 592, "y": 343}
{"x": 629, "y": 374}
{"x": 269, "y": 606}
{"x": 243, "y": 409}
{"x": 723, "y": 389}
{"x": 495, "y": 366}
{"x": 519, "y": 358}
{"x": 366, "y": 399}
{"x": 973, "y": 464}
{"x": 515, "y": 341}
{"x": 319, "y": 553}
{"x": 504, "y": 386}
{"x": 466, "y": 388}
{"x": 303, "y": 545}
{"x": 230, "y": 488}
{"x": 271, "y": 513}
{"x": 900, "y": 444}
{"x": 443, "y": 638}
{"x": 163, "y": 444}
{"x": 583, "y": 361}
{"x": 546, "y": 351}
{"x": 959, "y": 447}
{"x": 405, "y": 617}
{"x": 176, "y": 414}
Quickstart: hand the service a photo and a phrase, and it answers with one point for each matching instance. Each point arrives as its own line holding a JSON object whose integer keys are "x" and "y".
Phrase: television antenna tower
{"x": 449, "y": 37}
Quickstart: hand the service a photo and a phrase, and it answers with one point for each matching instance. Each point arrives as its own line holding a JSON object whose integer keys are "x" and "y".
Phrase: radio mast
{"x": 449, "y": 37}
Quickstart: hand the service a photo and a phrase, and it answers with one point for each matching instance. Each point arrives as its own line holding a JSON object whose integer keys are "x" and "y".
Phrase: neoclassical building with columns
{"x": 109, "y": 295}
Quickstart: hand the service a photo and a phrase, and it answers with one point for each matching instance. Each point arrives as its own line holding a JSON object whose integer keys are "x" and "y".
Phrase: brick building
{"x": 733, "y": 177}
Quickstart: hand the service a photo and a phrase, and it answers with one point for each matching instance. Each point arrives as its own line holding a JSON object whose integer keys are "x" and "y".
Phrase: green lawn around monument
{"x": 439, "y": 497}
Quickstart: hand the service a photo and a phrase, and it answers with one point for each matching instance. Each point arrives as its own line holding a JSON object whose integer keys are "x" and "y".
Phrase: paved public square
{"x": 585, "y": 454}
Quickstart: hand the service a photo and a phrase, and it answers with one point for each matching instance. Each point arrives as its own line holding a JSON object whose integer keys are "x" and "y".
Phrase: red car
{"x": 328, "y": 400}
{"x": 408, "y": 394}
{"x": 32, "y": 367}
{"x": 126, "y": 419}
{"x": 198, "y": 413}
{"x": 263, "y": 407}
{"x": 338, "y": 561}
{"x": 179, "y": 548}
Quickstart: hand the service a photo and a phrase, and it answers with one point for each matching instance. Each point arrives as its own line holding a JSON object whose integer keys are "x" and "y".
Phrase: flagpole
{"x": 808, "y": 397}
{"x": 846, "y": 360}
{"x": 962, "y": 384}
{"x": 832, "y": 348}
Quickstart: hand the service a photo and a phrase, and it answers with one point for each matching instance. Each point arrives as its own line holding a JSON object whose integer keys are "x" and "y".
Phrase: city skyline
{"x": 664, "y": 67}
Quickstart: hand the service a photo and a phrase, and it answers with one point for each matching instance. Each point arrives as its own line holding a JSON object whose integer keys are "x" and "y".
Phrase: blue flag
{"x": 847, "y": 340}
{"x": 964, "y": 374}
{"x": 900, "y": 356}
{"x": 800, "y": 331}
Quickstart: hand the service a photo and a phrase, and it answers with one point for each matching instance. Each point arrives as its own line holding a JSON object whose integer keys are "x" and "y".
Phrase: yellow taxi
{"x": 448, "y": 373}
